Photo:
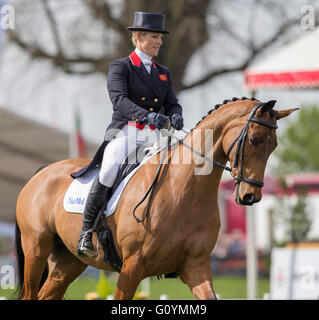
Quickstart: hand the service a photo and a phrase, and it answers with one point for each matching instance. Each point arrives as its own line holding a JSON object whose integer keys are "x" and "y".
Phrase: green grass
{"x": 7, "y": 293}
{"x": 227, "y": 287}
{"x": 235, "y": 287}
{"x": 80, "y": 287}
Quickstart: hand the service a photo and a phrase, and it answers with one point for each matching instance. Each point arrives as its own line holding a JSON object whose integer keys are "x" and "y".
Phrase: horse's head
{"x": 248, "y": 142}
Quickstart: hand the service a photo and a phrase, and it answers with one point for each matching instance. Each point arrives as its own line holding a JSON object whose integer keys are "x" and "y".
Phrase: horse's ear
{"x": 267, "y": 106}
{"x": 284, "y": 113}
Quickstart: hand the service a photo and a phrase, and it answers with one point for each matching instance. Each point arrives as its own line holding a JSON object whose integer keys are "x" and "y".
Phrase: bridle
{"x": 239, "y": 153}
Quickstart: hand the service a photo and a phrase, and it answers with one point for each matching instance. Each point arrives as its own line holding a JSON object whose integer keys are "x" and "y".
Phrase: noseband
{"x": 239, "y": 153}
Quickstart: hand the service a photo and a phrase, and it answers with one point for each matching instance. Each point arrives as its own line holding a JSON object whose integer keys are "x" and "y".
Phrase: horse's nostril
{"x": 249, "y": 198}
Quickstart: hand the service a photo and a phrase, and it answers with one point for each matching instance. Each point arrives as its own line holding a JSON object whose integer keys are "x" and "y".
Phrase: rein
{"x": 180, "y": 141}
{"x": 151, "y": 188}
{"x": 239, "y": 154}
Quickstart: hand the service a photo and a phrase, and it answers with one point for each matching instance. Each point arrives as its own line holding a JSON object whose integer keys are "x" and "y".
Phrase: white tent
{"x": 295, "y": 65}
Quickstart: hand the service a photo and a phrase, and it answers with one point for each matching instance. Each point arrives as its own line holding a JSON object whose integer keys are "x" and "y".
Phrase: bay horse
{"x": 181, "y": 229}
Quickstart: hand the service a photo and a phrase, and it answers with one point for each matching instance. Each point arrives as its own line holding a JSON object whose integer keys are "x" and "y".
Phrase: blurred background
{"x": 54, "y": 58}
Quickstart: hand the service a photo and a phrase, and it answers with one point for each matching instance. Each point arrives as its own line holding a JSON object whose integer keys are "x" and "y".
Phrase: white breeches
{"x": 124, "y": 142}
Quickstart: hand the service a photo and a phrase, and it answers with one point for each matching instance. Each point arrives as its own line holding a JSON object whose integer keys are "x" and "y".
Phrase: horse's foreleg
{"x": 198, "y": 276}
{"x": 64, "y": 268}
{"x": 130, "y": 277}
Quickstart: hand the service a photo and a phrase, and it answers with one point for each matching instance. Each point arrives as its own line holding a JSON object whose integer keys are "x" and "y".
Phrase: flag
{"x": 80, "y": 143}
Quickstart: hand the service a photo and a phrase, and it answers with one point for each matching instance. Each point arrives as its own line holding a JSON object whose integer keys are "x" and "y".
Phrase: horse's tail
{"x": 20, "y": 264}
{"x": 20, "y": 259}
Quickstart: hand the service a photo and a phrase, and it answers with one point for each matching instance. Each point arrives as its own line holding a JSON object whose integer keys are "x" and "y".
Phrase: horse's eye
{"x": 254, "y": 141}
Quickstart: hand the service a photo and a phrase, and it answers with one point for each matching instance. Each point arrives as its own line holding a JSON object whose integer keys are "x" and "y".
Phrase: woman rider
{"x": 143, "y": 98}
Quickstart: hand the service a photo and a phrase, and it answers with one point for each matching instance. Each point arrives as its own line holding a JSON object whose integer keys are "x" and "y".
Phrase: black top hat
{"x": 147, "y": 21}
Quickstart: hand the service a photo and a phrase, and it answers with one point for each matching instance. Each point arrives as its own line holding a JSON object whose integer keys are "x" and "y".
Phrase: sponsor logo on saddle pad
{"x": 77, "y": 200}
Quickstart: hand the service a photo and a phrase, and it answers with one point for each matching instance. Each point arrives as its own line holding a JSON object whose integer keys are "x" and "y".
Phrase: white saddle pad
{"x": 75, "y": 196}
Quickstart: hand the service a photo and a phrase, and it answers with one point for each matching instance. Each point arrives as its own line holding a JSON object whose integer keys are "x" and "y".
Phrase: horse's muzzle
{"x": 248, "y": 199}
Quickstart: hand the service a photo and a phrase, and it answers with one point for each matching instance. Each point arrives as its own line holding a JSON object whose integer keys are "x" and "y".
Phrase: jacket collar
{"x": 136, "y": 61}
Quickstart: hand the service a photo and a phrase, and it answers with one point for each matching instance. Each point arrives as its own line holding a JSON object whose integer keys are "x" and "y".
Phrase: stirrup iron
{"x": 85, "y": 251}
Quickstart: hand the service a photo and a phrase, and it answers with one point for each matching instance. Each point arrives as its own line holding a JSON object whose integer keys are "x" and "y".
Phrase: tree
{"x": 298, "y": 149}
{"x": 85, "y": 40}
{"x": 294, "y": 217}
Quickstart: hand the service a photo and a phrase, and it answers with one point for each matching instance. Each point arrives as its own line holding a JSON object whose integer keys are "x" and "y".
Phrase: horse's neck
{"x": 202, "y": 181}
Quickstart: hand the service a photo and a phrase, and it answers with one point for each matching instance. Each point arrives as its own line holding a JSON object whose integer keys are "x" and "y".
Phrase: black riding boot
{"x": 96, "y": 198}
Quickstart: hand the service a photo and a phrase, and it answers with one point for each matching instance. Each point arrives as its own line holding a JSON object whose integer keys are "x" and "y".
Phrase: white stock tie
{"x": 147, "y": 63}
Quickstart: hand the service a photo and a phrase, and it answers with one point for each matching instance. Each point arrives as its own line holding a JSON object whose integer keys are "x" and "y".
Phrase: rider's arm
{"x": 117, "y": 87}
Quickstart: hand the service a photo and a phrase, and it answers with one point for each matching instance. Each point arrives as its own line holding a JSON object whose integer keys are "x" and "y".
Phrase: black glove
{"x": 156, "y": 119}
{"x": 177, "y": 121}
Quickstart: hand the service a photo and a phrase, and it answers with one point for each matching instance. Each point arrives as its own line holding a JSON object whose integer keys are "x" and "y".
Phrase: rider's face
{"x": 150, "y": 43}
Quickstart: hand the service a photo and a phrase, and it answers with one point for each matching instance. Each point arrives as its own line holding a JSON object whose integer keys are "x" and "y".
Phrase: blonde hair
{"x": 134, "y": 36}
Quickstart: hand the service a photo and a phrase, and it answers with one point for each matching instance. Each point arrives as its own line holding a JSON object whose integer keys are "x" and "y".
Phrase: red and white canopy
{"x": 294, "y": 66}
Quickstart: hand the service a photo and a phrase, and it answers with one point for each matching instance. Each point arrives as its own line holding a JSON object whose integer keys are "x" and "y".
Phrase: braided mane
{"x": 225, "y": 102}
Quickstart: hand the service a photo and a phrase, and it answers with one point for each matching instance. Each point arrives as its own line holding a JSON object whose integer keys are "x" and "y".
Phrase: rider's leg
{"x": 114, "y": 154}
{"x": 95, "y": 200}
